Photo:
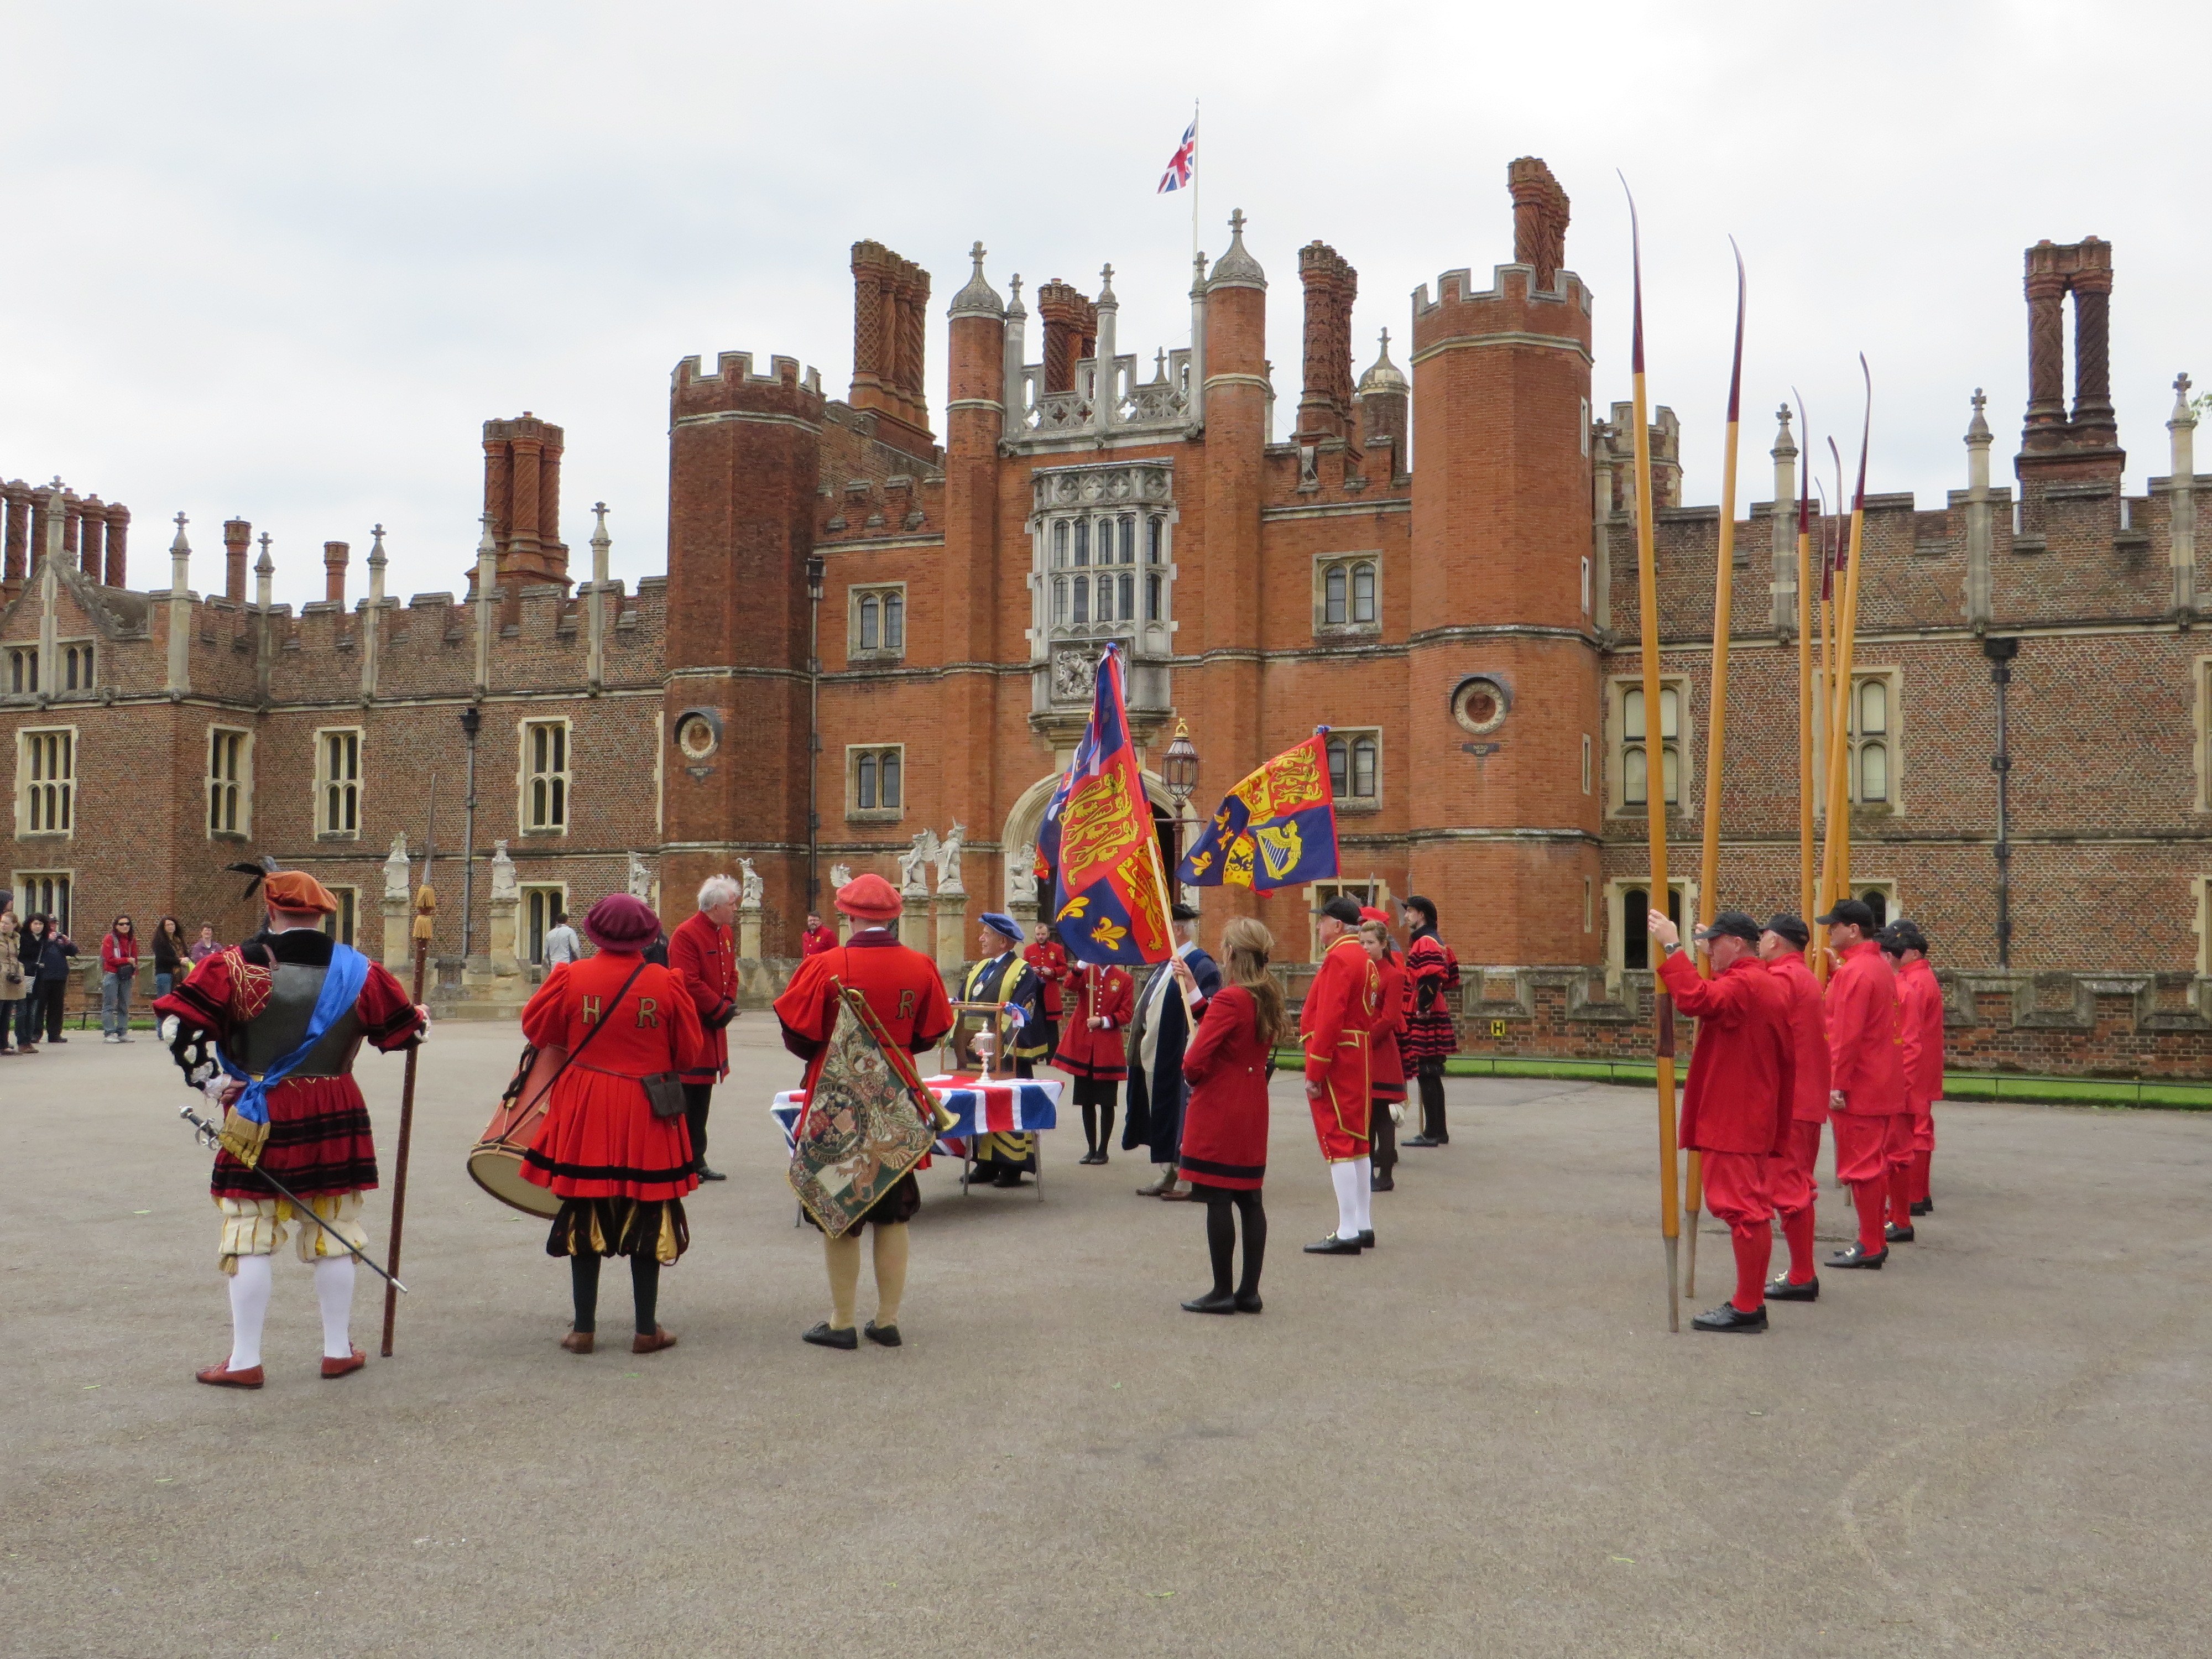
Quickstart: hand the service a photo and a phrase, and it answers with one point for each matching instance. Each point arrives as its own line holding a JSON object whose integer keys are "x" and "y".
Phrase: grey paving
{"x": 1478, "y": 1439}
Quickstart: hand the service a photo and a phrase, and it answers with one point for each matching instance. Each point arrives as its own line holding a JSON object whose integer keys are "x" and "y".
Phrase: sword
{"x": 208, "y": 1135}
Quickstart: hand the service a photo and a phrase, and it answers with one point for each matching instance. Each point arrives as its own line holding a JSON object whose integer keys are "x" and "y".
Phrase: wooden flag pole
{"x": 1806, "y": 863}
{"x": 1655, "y": 790}
{"x": 1826, "y": 711}
{"x": 1838, "y": 883}
{"x": 1709, "y": 866}
{"x": 426, "y": 909}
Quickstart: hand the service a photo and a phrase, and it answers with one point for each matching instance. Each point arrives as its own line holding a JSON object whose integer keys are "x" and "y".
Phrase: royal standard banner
{"x": 1110, "y": 889}
{"x": 1277, "y": 829}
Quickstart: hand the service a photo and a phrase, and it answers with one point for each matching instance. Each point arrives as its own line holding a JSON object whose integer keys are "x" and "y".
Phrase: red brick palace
{"x": 928, "y": 611}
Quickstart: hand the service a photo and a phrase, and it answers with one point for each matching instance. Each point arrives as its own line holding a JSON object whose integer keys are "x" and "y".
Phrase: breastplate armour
{"x": 262, "y": 1042}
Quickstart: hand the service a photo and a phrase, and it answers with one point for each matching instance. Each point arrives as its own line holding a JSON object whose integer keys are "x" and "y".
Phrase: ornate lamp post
{"x": 1179, "y": 771}
{"x": 472, "y": 722}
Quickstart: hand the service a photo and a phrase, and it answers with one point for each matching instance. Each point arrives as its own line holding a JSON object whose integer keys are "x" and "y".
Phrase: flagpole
{"x": 1655, "y": 790}
{"x": 1829, "y": 609}
{"x": 1709, "y": 866}
{"x": 1193, "y": 184}
{"x": 1805, "y": 860}
{"x": 1839, "y": 832}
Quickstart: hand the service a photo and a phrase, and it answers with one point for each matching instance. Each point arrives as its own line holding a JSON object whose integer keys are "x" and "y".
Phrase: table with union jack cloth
{"x": 1010, "y": 1105}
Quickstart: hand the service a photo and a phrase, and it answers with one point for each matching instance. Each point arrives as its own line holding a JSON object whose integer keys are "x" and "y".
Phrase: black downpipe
{"x": 2001, "y": 653}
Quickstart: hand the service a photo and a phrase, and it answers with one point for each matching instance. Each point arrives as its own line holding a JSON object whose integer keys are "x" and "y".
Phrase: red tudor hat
{"x": 619, "y": 922}
{"x": 869, "y": 898}
{"x": 1368, "y": 913}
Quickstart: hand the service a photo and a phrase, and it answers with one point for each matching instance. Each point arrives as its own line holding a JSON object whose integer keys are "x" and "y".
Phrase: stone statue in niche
{"x": 841, "y": 876}
{"x": 750, "y": 884}
{"x": 641, "y": 880}
{"x": 396, "y": 869}
{"x": 502, "y": 872}
{"x": 1021, "y": 876}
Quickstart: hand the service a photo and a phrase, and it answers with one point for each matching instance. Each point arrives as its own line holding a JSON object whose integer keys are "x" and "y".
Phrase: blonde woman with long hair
{"x": 1225, "y": 1129}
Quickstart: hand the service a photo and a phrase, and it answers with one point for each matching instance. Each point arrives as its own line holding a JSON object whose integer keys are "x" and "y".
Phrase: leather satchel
{"x": 664, "y": 1091}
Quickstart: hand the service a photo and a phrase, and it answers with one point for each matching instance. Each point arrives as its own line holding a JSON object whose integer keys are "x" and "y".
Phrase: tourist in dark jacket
{"x": 50, "y": 985}
{"x": 169, "y": 958}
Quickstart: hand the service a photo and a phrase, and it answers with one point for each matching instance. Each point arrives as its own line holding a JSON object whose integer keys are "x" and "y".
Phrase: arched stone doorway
{"x": 1018, "y": 840}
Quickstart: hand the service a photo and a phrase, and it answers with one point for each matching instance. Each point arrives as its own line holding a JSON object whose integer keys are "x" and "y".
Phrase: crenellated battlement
{"x": 733, "y": 385}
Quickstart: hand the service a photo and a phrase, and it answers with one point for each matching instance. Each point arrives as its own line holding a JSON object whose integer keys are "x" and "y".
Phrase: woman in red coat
{"x": 1224, "y": 1120}
{"x": 620, "y": 1169}
{"x": 1092, "y": 1049}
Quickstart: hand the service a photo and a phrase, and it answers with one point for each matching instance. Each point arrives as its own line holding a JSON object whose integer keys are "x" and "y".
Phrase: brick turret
{"x": 744, "y": 462}
{"x": 1503, "y": 675}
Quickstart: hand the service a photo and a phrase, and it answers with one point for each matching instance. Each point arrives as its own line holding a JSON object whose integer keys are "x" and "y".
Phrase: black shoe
{"x": 1248, "y": 1300}
{"x": 1923, "y": 1206}
{"x": 883, "y": 1335}
{"x": 1333, "y": 1245}
{"x": 1732, "y": 1320}
{"x": 823, "y": 1337}
{"x": 1219, "y": 1302}
{"x": 1423, "y": 1140}
{"x": 1367, "y": 1238}
{"x": 1382, "y": 1183}
{"x": 1007, "y": 1178}
{"x": 1897, "y": 1234}
{"x": 1856, "y": 1257}
{"x": 1781, "y": 1290}
{"x": 1091, "y": 1156}
{"x": 705, "y": 1174}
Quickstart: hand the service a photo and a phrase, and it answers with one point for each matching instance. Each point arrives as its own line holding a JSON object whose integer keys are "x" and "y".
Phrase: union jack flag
{"x": 1179, "y": 164}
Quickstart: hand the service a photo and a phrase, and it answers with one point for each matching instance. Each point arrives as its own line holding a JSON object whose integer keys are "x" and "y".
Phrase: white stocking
{"x": 249, "y": 1308}
{"x": 334, "y": 1290}
{"x": 1346, "y": 1175}
{"x": 1365, "y": 1192}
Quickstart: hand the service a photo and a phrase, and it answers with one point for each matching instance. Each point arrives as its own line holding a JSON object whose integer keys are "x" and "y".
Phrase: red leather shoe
{"x": 579, "y": 1341}
{"x": 221, "y": 1378}
{"x": 345, "y": 1367}
{"x": 661, "y": 1338}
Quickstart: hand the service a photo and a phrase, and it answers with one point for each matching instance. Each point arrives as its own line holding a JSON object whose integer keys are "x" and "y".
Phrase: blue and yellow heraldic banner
{"x": 1277, "y": 829}
{"x": 1110, "y": 890}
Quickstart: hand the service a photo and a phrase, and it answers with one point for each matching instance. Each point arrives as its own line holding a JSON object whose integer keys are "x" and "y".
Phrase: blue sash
{"x": 341, "y": 989}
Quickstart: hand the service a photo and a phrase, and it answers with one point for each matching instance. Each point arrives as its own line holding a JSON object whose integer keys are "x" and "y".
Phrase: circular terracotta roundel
{"x": 1478, "y": 703}
{"x": 695, "y": 737}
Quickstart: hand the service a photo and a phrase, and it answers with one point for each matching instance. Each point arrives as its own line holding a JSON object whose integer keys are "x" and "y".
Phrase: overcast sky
{"x": 281, "y": 260}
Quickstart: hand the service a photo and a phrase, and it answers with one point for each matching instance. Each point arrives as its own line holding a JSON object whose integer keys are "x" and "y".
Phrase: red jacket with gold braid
{"x": 1337, "y": 1023}
{"x": 1110, "y": 994}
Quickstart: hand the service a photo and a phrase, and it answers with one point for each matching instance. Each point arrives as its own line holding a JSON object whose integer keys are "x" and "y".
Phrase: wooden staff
{"x": 1655, "y": 789}
{"x": 1838, "y": 885}
{"x": 1826, "y": 700}
{"x": 1709, "y": 868}
{"x": 1806, "y": 862}
{"x": 426, "y": 910}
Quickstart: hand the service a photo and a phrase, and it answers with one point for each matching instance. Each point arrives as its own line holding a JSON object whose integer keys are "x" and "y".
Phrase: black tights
{"x": 644, "y": 1289}
{"x": 1432, "y": 1103}
{"x": 1221, "y": 1236}
{"x": 1096, "y": 1096}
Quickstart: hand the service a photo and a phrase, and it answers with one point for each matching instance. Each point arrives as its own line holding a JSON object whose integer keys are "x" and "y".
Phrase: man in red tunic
{"x": 1920, "y": 1004}
{"x": 1335, "y": 1029}
{"x": 1735, "y": 1107}
{"x": 703, "y": 951}
{"x": 816, "y": 938}
{"x": 1093, "y": 1049}
{"x": 253, "y": 1031}
{"x": 906, "y": 993}
{"x": 1796, "y": 1186}
{"x": 1872, "y": 1116}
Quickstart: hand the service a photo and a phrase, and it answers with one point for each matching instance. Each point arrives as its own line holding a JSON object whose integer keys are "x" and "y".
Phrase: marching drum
{"x": 495, "y": 1163}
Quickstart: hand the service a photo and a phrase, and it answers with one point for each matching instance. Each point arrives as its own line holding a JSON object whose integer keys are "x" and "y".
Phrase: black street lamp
{"x": 472, "y": 723}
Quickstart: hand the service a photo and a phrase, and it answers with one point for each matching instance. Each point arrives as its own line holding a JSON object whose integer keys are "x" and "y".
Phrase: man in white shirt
{"x": 562, "y": 944}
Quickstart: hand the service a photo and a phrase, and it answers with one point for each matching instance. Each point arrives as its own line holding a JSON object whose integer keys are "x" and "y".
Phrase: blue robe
{"x": 1156, "y": 1092}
